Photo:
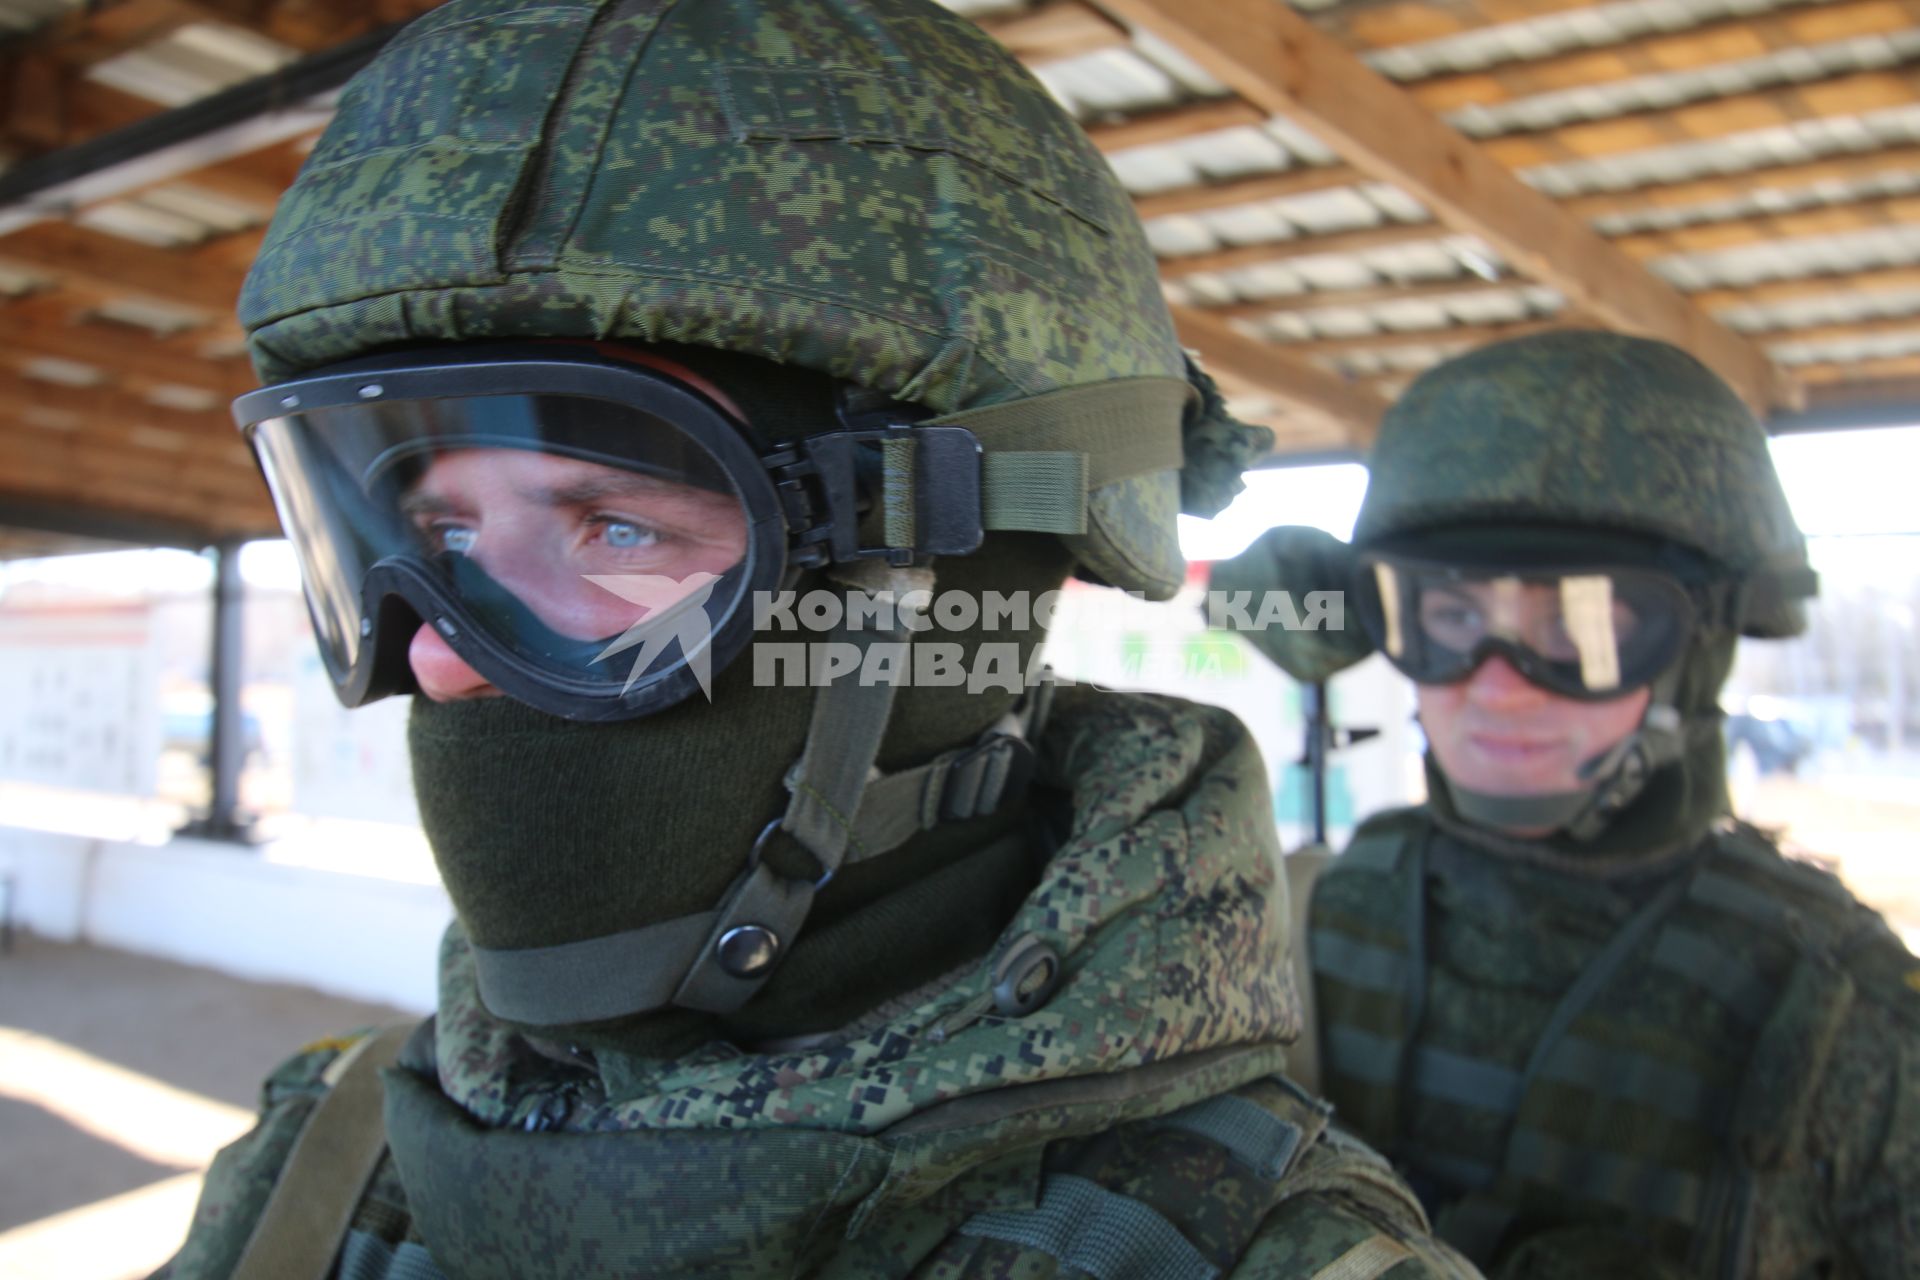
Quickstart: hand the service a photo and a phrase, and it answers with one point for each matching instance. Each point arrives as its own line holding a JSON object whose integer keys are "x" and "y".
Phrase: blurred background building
{"x": 204, "y": 860}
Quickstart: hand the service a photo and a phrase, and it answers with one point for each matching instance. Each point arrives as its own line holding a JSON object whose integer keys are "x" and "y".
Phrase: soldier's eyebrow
{"x": 415, "y": 503}
{"x": 591, "y": 489}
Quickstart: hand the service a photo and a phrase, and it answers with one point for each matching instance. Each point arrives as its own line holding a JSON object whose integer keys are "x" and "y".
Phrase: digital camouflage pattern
{"x": 932, "y": 1141}
{"x": 873, "y": 189}
{"x": 1712, "y": 1069}
{"x": 1591, "y": 430}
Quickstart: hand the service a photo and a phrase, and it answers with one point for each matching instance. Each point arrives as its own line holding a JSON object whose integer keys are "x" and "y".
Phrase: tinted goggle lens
{"x": 1583, "y": 632}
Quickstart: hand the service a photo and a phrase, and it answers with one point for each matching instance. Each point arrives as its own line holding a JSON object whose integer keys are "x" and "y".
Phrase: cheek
{"x": 1606, "y": 723}
{"x": 1439, "y": 708}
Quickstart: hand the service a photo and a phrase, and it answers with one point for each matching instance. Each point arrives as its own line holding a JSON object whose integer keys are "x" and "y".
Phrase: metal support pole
{"x": 1313, "y": 708}
{"x": 228, "y": 749}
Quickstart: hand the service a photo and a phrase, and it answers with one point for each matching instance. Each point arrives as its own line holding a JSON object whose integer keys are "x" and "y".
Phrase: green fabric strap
{"x": 312, "y": 1203}
{"x": 953, "y": 786}
{"x": 1046, "y": 453}
{"x": 1097, "y": 1232}
{"x": 591, "y": 980}
{"x": 1254, "y": 1135}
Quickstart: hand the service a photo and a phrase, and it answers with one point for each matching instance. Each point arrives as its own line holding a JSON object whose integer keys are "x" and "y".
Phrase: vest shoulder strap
{"x": 1303, "y": 868}
{"x": 307, "y": 1215}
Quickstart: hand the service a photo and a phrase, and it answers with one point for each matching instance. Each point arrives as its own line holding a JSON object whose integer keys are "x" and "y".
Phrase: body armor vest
{"x": 1646, "y": 1092}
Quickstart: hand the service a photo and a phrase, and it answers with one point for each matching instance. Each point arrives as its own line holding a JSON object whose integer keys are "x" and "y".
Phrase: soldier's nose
{"x": 443, "y": 674}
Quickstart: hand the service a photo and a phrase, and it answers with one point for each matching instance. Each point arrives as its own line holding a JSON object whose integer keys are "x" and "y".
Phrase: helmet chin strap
{"x": 1612, "y": 780}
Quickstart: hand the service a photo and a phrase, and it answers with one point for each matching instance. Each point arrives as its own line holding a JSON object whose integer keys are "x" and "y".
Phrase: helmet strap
{"x": 1614, "y": 778}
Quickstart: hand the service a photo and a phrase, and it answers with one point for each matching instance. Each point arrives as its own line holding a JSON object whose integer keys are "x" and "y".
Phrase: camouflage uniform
{"x": 1133, "y": 1120}
{"x": 1658, "y": 1049}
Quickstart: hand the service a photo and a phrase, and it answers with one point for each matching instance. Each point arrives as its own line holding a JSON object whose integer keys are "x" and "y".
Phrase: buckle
{"x": 757, "y": 855}
{"x": 819, "y": 480}
{"x": 986, "y": 775}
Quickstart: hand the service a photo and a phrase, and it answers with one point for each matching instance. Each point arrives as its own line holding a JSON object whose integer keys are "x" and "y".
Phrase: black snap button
{"x": 748, "y": 951}
{"x": 1025, "y": 977}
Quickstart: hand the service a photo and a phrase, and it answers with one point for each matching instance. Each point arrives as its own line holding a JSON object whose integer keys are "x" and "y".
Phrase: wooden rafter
{"x": 1278, "y": 61}
{"x": 1175, "y": 124}
{"x": 1055, "y": 31}
{"x": 1728, "y": 40}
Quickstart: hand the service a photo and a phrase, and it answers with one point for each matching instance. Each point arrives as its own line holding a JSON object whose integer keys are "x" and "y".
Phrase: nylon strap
{"x": 825, "y": 789}
{"x": 1303, "y": 868}
{"x": 1254, "y": 1135}
{"x": 1045, "y": 454}
{"x": 953, "y": 786}
{"x": 311, "y": 1205}
{"x": 1089, "y": 1229}
{"x": 649, "y": 967}
{"x": 1371, "y": 1258}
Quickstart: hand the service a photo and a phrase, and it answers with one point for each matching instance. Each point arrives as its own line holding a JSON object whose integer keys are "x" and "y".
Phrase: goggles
{"x": 586, "y": 533}
{"x": 1586, "y": 632}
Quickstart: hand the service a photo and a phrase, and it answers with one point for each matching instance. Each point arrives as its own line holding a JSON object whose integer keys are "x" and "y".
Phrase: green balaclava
{"x": 1591, "y": 446}
{"x": 791, "y": 197}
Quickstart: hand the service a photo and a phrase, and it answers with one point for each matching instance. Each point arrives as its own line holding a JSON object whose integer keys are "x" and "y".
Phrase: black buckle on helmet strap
{"x": 820, "y": 481}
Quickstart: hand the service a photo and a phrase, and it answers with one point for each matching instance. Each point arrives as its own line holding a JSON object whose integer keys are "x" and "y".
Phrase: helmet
{"x": 871, "y": 195}
{"x": 871, "y": 189}
{"x": 1597, "y": 432}
{"x": 1602, "y": 511}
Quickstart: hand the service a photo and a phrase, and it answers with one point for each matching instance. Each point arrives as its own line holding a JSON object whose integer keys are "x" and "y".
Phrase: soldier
{"x": 1602, "y": 1028}
{"x": 591, "y": 331}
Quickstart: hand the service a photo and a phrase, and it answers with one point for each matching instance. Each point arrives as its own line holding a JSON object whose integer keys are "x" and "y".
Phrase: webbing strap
{"x": 368, "y": 1257}
{"x": 825, "y": 788}
{"x": 590, "y": 980}
{"x": 1102, "y": 1233}
{"x": 670, "y": 962}
{"x": 1263, "y": 1141}
{"x": 1045, "y": 454}
{"x": 1599, "y": 971}
{"x": 1637, "y": 1186}
{"x": 311, "y": 1204}
{"x": 1364, "y": 1055}
{"x": 1466, "y": 1081}
{"x": 1358, "y": 964}
{"x": 1725, "y": 976}
{"x": 954, "y": 785}
{"x": 1371, "y": 1258}
{"x": 1632, "y": 1076}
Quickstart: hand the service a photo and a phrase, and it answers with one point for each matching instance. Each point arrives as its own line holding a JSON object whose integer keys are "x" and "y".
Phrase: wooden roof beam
{"x": 1783, "y": 177}
{"x": 46, "y": 327}
{"x": 1842, "y": 96}
{"x": 1268, "y": 252}
{"x": 1301, "y": 388}
{"x": 1175, "y": 124}
{"x": 113, "y": 265}
{"x": 1278, "y": 61}
{"x": 1734, "y": 39}
{"x": 1055, "y": 31}
{"x": 1832, "y": 371}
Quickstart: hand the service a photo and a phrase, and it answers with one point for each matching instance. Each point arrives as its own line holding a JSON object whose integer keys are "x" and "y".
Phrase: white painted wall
{"x": 231, "y": 909}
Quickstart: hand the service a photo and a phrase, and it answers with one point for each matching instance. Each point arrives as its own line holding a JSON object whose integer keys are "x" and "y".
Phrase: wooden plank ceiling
{"x": 1342, "y": 192}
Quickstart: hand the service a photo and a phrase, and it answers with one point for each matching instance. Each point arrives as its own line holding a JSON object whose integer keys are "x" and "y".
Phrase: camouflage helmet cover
{"x": 1598, "y": 431}
{"x": 871, "y": 189}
